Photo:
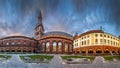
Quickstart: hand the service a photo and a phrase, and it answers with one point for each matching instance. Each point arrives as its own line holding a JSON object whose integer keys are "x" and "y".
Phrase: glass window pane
{"x": 59, "y": 46}
{"x": 47, "y": 46}
{"x": 54, "y": 46}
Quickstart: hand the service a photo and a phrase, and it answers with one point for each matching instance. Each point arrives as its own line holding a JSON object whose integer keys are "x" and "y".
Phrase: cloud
{"x": 19, "y": 17}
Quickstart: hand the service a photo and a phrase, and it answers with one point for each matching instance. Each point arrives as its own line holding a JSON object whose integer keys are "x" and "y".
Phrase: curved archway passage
{"x": 90, "y": 51}
{"x": 83, "y": 52}
{"x": 2, "y": 51}
{"x": 29, "y": 51}
{"x": 47, "y": 47}
{"x": 98, "y": 51}
{"x": 12, "y": 50}
{"x": 24, "y": 51}
{"x": 18, "y": 50}
{"x": 59, "y": 46}
{"x": 107, "y": 51}
{"x": 54, "y": 46}
{"x": 113, "y": 51}
{"x": 7, "y": 50}
{"x": 78, "y": 52}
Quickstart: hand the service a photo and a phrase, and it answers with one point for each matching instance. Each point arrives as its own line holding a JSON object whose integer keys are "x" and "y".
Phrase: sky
{"x": 19, "y": 17}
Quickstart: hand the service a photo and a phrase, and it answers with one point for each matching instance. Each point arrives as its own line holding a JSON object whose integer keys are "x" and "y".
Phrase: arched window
{"x": 66, "y": 47}
{"x": 24, "y": 42}
{"x": 18, "y": 43}
{"x": 13, "y": 43}
{"x": 47, "y": 46}
{"x": 54, "y": 46}
{"x": 7, "y": 43}
{"x": 59, "y": 46}
{"x": 43, "y": 47}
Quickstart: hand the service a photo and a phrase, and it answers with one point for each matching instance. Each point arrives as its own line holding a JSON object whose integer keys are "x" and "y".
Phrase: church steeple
{"x": 39, "y": 29}
{"x": 40, "y": 18}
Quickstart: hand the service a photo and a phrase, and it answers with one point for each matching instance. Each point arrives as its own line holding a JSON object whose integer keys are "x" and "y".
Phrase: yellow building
{"x": 96, "y": 42}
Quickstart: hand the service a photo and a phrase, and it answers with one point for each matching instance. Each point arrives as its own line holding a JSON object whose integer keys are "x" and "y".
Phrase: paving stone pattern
{"x": 56, "y": 62}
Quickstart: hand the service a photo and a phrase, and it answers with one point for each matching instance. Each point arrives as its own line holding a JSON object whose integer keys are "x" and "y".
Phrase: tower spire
{"x": 39, "y": 29}
{"x": 40, "y": 18}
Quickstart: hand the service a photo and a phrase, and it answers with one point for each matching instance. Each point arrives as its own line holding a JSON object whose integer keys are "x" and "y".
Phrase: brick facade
{"x": 17, "y": 44}
{"x": 58, "y": 39}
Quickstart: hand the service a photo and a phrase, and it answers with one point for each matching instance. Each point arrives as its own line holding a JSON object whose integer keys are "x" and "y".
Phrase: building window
{"x": 85, "y": 42}
{"x": 108, "y": 41}
{"x": 84, "y": 37}
{"x": 101, "y": 41}
{"x": 100, "y": 35}
{"x": 116, "y": 43}
{"x": 111, "y": 42}
{"x": 59, "y": 46}
{"x": 96, "y": 35}
{"x": 74, "y": 45}
{"x": 88, "y": 42}
{"x": 104, "y": 35}
{"x": 108, "y": 36}
{"x": 7, "y": 43}
{"x": 82, "y": 42}
{"x": 24, "y": 43}
{"x": 88, "y": 36}
{"x": 47, "y": 46}
{"x": 13, "y": 43}
{"x": 54, "y": 46}
{"x": 18, "y": 43}
{"x": 96, "y": 41}
{"x": 104, "y": 41}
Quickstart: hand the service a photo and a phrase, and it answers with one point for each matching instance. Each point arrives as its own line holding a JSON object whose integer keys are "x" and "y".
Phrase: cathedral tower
{"x": 39, "y": 29}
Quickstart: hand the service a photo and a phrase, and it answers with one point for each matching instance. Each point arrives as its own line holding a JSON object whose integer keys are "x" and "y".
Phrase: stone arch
{"x": 18, "y": 50}
{"x": 98, "y": 51}
{"x": 7, "y": 50}
{"x": 107, "y": 51}
{"x": 24, "y": 50}
{"x": 54, "y": 45}
{"x": 83, "y": 51}
{"x": 30, "y": 50}
{"x": 13, "y": 50}
{"x": 2, "y": 50}
{"x": 90, "y": 51}
{"x": 60, "y": 46}
{"x": 47, "y": 46}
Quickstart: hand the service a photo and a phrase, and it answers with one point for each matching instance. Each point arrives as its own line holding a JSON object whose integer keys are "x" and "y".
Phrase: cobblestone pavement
{"x": 56, "y": 62}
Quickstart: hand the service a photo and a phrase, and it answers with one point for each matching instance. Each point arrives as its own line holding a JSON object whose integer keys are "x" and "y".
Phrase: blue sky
{"x": 19, "y": 17}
